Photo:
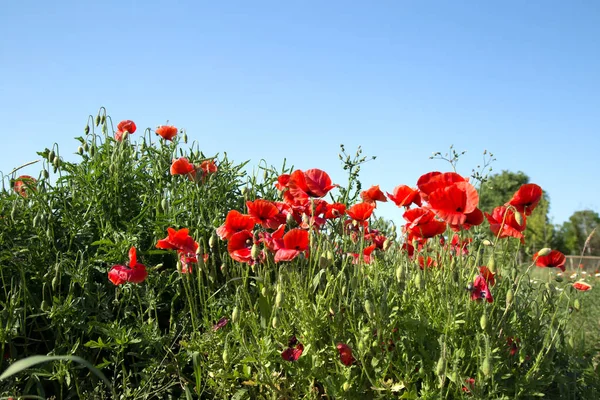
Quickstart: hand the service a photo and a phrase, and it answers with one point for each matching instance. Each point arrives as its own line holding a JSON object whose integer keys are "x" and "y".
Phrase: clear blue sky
{"x": 295, "y": 79}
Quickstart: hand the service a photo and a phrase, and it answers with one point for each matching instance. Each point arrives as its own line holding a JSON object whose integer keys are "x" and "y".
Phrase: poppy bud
{"x": 559, "y": 278}
{"x": 387, "y": 244}
{"x": 185, "y": 137}
{"x": 54, "y": 282}
{"x": 571, "y": 341}
{"x": 400, "y": 274}
{"x": 235, "y": 315}
{"x": 86, "y": 147}
{"x": 226, "y": 356}
{"x": 275, "y": 322}
{"x": 369, "y": 309}
{"x": 344, "y": 289}
{"x": 278, "y": 298}
{"x": 264, "y": 291}
{"x": 487, "y": 242}
{"x": 509, "y": 297}
{"x": 51, "y": 156}
{"x": 440, "y": 369}
{"x": 92, "y": 151}
{"x": 80, "y": 150}
{"x": 86, "y": 129}
{"x": 46, "y": 174}
{"x": 255, "y": 252}
{"x": 418, "y": 281}
{"x": 519, "y": 218}
{"x": 544, "y": 252}
{"x": 289, "y": 220}
{"x": 346, "y": 386}
{"x": 97, "y": 120}
{"x": 245, "y": 190}
{"x": 483, "y": 321}
{"x": 577, "y": 305}
{"x": 213, "y": 240}
{"x": 103, "y": 119}
{"x": 492, "y": 264}
{"x": 486, "y": 367}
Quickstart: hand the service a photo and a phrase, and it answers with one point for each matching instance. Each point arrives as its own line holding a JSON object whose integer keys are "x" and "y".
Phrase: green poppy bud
{"x": 487, "y": 242}
{"x": 483, "y": 321}
{"x": 97, "y": 120}
{"x": 80, "y": 150}
{"x": 275, "y": 322}
{"x": 51, "y": 156}
{"x": 264, "y": 291}
{"x": 103, "y": 119}
{"x": 577, "y": 305}
{"x": 519, "y": 218}
{"x": 226, "y": 356}
{"x": 510, "y": 295}
{"x": 86, "y": 129}
{"x": 235, "y": 315}
{"x": 440, "y": 368}
{"x": 369, "y": 309}
{"x": 279, "y": 298}
{"x": 213, "y": 240}
{"x": 486, "y": 367}
{"x": 544, "y": 252}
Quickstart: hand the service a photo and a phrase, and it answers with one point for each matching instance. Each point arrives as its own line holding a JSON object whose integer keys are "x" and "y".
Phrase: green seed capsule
{"x": 86, "y": 129}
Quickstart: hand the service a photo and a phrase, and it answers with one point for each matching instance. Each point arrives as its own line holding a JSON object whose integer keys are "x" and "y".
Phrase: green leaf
{"x": 26, "y": 363}
{"x": 240, "y": 394}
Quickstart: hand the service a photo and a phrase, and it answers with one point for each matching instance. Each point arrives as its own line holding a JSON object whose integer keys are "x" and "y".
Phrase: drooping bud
{"x": 519, "y": 218}
{"x": 289, "y": 220}
{"x": 577, "y": 305}
{"x": 80, "y": 150}
{"x": 492, "y": 264}
{"x": 275, "y": 322}
{"x": 387, "y": 244}
{"x": 510, "y": 295}
{"x": 486, "y": 367}
{"x": 86, "y": 129}
{"x": 97, "y": 120}
{"x": 487, "y": 242}
{"x": 440, "y": 368}
{"x": 279, "y": 298}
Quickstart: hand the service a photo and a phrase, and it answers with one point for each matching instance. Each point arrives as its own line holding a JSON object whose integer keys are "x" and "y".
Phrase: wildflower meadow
{"x": 149, "y": 269}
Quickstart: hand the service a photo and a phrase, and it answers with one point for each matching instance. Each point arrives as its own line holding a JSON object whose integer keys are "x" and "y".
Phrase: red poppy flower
{"x": 134, "y": 273}
{"x": 240, "y": 246}
{"x": 583, "y": 286}
{"x": 452, "y": 203}
{"x": 335, "y": 210}
{"x": 209, "y": 167}
{"x": 404, "y": 196}
{"x": 488, "y": 275}
{"x": 470, "y": 385}
{"x": 294, "y": 350}
{"x": 178, "y": 240}
{"x": 503, "y": 223}
{"x": 310, "y": 183}
{"x": 426, "y": 263}
{"x": 262, "y": 211}
{"x": 220, "y": 324}
{"x": 167, "y": 132}
{"x": 273, "y": 241}
{"x": 360, "y": 212}
{"x": 372, "y": 195}
{"x": 23, "y": 183}
{"x": 526, "y": 199}
{"x": 432, "y": 181}
{"x": 124, "y": 126}
{"x": 235, "y": 222}
{"x": 295, "y": 242}
{"x": 367, "y": 255}
{"x": 422, "y": 223}
{"x": 513, "y": 344}
{"x": 459, "y": 246}
{"x": 409, "y": 248}
{"x": 127, "y": 126}
{"x": 346, "y": 356}
{"x": 473, "y": 219}
{"x": 481, "y": 290}
{"x": 554, "y": 259}
{"x": 181, "y": 166}
{"x": 282, "y": 182}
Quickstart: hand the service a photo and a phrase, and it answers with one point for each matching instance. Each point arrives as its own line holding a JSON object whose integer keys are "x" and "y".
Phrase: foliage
{"x": 219, "y": 331}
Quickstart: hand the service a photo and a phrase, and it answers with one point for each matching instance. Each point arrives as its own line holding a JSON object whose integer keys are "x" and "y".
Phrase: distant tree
{"x": 574, "y": 233}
